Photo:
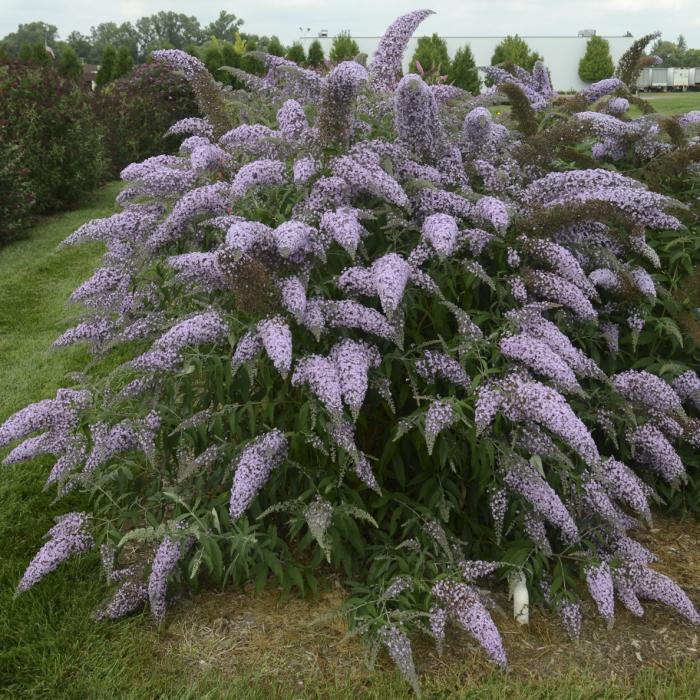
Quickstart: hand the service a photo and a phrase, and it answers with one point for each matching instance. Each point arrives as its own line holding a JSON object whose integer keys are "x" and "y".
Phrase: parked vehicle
{"x": 658, "y": 78}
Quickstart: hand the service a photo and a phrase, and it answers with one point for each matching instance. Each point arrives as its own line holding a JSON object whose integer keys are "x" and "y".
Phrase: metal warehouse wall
{"x": 561, "y": 53}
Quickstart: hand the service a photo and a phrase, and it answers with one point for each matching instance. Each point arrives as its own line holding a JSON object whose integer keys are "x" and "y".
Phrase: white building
{"x": 561, "y": 53}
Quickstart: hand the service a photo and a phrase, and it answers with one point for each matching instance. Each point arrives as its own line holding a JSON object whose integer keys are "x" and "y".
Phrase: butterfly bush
{"x": 372, "y": 324}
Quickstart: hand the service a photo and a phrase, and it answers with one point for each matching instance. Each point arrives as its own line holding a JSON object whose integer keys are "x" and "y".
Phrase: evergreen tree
{"x": 40, "y": 55}
{"x": 316, "y": 57}
{"x": 343, "y": 48}
{"x": 463, "y": 72}
{"x": 69, "y": 63}
{"x": 597, "y": 62}
{"x": 296, "y": 53}
{"x": 431, "y": 54}
{"x": 275, "y": 47}
{"x": 229, "y": 55}
{"x": 123, "y": 63}
{"x": 515, "y": 50}
{"x": 213, "y": 58}
{"x": 25, "y": 53}
{"x": 104, "y": 74}
{"x": 230, "y": 58}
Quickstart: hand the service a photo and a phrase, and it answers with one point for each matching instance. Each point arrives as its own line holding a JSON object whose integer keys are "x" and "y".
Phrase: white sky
{"x": 370, "y": 17}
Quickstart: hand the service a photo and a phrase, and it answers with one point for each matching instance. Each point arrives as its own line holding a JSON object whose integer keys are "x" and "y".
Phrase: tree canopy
{"x": 29, "y": 33}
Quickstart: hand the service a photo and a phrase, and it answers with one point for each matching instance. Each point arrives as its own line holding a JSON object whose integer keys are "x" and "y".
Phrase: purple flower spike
{"x": 463, "y": 603}
{"x": 166, "y": 352}
{"x": 67, "y": 537}
{"x": 166, "y": 558}
{"x": 492, "y": 211}
{"x": 440, "y": 415}
{"x": 353, "y": 361}
{"x": 600, "y": 586}
{"x": 385, "y": 67}
{"x": 321, "y": 375}
{"x": 416, "y": 118}
{"x": 345, "y": 228}
{"x": 254, "y": 466}
{"x": 434, "y": 364}
{"x": 277, "y": 339}
{"x": 399, "y": 647}
{"x": 440, "y": 231}
{"x": 523, "y": 479}
{"x": 260, "y": 173}
{"x": 539, "y": 357}
{"x": 291, "y": 121}
{"x": 390, "y": 274}
{"x": 647, "y": 389}
{"x": 653, "y": 449}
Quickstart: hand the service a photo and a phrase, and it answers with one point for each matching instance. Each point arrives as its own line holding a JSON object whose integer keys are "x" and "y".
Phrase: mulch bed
{"x": 292, "y": 638}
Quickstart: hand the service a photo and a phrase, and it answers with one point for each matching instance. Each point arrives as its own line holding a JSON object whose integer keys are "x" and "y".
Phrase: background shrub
{"x": 462, "y": 71}
{"x": 431, "y": 53}
{"x": 137, "y": 110}
{"x": 49, "y": 120}
{"x": 515, "y": 50}
{"x": 17, "y": 199}
{"x": 109, "y": 58}
{"x": 296, "y": 53}
{"x": 343, "y": 48}
{"x": 316, "y": 57}
{"x": 597, "y": 62}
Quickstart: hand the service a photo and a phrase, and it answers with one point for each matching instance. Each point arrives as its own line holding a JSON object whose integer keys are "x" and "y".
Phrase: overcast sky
{"x": 370, "y": 17}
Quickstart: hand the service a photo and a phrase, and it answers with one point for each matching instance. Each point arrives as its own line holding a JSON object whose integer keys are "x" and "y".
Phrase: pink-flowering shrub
{"x": 377, "y": 331}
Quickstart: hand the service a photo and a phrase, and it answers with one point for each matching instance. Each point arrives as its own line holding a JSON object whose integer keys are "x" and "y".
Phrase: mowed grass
{"x": 673, "y": 102}
{"x": 666, "y": 103}
{"x": 50, "y": 645}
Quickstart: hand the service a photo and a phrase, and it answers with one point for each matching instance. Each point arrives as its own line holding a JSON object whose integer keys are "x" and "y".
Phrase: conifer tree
{"x": 344, "y": 48}
{"x": 109, "y": 58}
{"x": 69, "y": 64}
{"x": 123, "y": 63}
{"x": 463, "y": 72}
{"x": 296, "y": 53}
{"x": 515, "y": 50}
{"x": 597, "y": 62}
{"x": 316, "y": 57}
{"x": 431, "y": 54}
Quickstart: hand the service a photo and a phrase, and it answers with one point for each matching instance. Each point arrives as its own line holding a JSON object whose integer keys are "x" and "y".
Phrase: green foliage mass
{"x": 123, "y": 63}
{"x": 69, "y": 64}
{"x": 106, "y": 70}
{"x": 316, "y": 56}
{"x": 343, "y": 48}
{"x": 54, "y": 143}
{"x": 296, "y": 53}
{"x": 275, "y": 47}
{"x": 430, "y": 58}
{"x": 135, "y": 112}
{"x": 463, "y": 72}
{"x": 597, "y": 62}
{"x": 515, "y": 50}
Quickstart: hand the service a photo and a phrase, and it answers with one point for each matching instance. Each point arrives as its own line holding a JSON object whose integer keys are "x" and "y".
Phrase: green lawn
{"x": 50, "y": 646}
{"x": 664, "y": 103}
{"x": 673, "y": 102}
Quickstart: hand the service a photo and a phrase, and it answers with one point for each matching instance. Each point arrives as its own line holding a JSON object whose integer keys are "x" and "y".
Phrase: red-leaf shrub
{"x": 137, "y": 110}
{"x": 48, "y": 124}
